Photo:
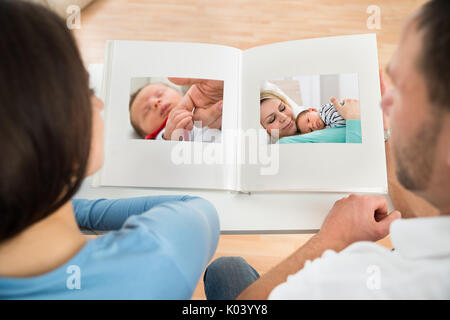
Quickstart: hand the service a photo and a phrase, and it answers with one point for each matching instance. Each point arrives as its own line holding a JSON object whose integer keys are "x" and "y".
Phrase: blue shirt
{"x": 159, "y": 250}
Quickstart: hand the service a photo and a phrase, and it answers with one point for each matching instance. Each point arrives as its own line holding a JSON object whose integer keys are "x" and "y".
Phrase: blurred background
{"x": 315, "y": 91}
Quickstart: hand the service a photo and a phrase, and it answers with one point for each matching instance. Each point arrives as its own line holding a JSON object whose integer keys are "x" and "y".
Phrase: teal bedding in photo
{"x": 351, "y": 133}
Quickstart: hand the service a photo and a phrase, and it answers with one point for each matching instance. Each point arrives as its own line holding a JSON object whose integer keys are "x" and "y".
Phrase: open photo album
{"x": 270, "y": 118}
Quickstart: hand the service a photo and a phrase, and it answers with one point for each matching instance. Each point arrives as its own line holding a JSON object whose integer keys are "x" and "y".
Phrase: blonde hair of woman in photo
{"x": 277, "y": 115}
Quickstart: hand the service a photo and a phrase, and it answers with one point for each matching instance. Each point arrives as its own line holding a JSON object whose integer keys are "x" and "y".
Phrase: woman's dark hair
{"x": 434, "y": 61}
{"x": 45, "y": 115}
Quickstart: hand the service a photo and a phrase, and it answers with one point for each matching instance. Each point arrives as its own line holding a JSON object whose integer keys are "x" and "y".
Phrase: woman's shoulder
{"x": 130, "y": 263}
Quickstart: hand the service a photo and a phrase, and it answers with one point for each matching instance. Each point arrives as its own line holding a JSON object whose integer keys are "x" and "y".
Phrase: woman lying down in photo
{"x": 155, "y": 115}
{"x": 278, "y": 114}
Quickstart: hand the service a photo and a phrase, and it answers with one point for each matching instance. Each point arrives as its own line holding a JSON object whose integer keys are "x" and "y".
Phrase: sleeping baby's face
{"x": 152, "y": 106}
{"x": 309, "y": 121}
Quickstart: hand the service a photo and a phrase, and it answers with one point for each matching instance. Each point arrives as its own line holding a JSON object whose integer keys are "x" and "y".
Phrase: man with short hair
{"x": 342, "y": 261}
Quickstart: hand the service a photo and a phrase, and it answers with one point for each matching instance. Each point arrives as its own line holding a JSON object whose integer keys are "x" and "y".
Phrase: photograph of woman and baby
{"x": 311, "y": 109}
{"x": 302, "y": 109}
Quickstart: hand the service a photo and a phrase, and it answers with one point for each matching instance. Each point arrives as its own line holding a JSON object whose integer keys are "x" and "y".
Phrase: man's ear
{"x": 445, "y": 135}
{"x": 447, "y": 155}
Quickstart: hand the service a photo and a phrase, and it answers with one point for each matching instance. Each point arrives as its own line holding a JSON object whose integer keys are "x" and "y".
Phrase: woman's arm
{"x": 328, "y": 135}
{"x": 353, "y": 131}
{"x": 181, "y": 234}
{"x": 103, "y": 214}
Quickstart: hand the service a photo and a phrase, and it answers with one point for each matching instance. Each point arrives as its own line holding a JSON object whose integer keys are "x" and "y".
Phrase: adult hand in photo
{"x": 204, "y": 98}
{"x": 178, "y": 121}
{"x": 349, "y": 110}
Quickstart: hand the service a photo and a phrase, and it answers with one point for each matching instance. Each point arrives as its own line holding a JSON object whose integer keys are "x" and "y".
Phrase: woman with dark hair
{"x": 51, "y": 136}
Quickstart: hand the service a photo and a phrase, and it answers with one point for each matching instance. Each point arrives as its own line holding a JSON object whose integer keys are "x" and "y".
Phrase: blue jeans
{"x": 226, "y": 277}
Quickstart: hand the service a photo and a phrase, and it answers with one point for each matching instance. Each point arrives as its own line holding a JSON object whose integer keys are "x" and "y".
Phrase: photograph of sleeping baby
{"x": 180, "y": 109}
{"x": 311, "y": 109}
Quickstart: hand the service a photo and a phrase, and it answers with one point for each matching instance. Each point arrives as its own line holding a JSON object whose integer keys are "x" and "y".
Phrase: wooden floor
{"x": 242, "y": 24}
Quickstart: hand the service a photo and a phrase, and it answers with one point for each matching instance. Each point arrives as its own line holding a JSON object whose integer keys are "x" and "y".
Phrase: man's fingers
{"x": 394, "y": 215}
{"x": 210, "y": 115}
{"x": 195, "y": 98}
{"x": 385, "y": 223}
{"x": 186, "y": 102}
{"x": 217, "y": 124}
{"x": 379, "y": 206}
{"x": 185, "y": 81}
{"x": 383, "y": 219}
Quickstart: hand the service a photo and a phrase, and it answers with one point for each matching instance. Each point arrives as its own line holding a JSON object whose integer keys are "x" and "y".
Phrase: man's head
{"x": 418, "y": 103}
{"x": 151, "y": 105}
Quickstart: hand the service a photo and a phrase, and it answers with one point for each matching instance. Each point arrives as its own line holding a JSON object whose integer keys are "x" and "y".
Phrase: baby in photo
{"x": 150, "y": 107}
{"x": 311, "y": 119}
{"x": 153, "y": 110}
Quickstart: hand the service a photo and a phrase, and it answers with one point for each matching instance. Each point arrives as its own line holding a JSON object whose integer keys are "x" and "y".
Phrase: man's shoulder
{"x": 366, "y": 270}
{"x": 366, "y": 247}
{"x": 355, "y": 257}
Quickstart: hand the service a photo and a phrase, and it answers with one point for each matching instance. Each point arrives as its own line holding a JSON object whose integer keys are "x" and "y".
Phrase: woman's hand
{"x": 349, "y": 110}
{"x": 179, "y": 120}
{"x": 357, "y": 218}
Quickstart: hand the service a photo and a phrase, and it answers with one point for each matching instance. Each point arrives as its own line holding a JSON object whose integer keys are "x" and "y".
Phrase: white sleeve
{"x": 302, "y": 285}
{"x": 343, "y": 275}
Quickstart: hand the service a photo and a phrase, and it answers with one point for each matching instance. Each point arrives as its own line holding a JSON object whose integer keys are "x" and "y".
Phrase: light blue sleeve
{"x": 350, "y": 133}
{"x": 158, "y": 253}
{"x": 353, "y": 131}
{"x": 328, "y": 135}
{"x": 188, "y": 231}
{"x": 103, "y": 214}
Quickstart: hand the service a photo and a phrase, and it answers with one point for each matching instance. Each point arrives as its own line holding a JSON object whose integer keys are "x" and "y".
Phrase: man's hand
{"x": 205, "y": 99}
{"x": 179, "y": 120}
{"x": 357, "y": 218}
